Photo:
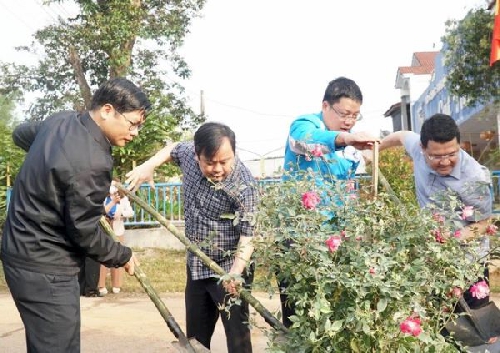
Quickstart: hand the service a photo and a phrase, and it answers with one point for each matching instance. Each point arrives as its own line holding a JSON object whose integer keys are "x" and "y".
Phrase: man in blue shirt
{"x": 326, "y": 134}
{"x": 329, "y": 132}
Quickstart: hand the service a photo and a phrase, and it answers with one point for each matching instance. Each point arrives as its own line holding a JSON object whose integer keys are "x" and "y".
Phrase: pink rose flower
{"x": 438, "y": 236}
{"x": 350, "y": 185}
{"x": 438, "y": 218}
{"x": 411, "y": 326}
{"x": 333, "y": 243}
{"x": 317, "y": 152}
{"x": 310, "y": 200}
{"x": 491, "y": 229}
{"x": 467, "y": 211}
{"x": 480, "y": 290}
{"x": 456, "y": 292}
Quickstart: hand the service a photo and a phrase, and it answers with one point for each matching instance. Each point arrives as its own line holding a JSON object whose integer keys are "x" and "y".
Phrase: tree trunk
{"x": 74, "y": 59}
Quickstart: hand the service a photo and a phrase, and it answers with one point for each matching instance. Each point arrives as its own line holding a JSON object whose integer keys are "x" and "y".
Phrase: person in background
{"x": 117, "y": 207}
{"x": 57, "y": 201}
{"x": 442, "y": 170}
{"x": 326, "y": 134}
{"x": 215, "y": 183}
{"x": 88, "y": 278}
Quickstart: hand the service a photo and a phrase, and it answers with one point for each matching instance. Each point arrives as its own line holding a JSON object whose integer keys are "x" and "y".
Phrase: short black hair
{"x": 122, "y": 94}
{"x": 439, "y": 128}
{"x": 342, "y": 87}
{"x": 209, "y": 137}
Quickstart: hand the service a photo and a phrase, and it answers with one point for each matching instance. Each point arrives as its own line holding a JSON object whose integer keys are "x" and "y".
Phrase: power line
{"x": 21, "y": 19}
{"x": 63, "y": 9}
{"x": 45, "y": 9}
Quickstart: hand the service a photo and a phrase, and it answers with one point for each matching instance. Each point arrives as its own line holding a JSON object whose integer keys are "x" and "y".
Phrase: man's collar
{"x": 95, "y": 131}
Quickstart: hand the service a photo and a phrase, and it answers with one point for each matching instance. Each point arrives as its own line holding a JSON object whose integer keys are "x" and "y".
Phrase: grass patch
{"x": 166, "y": 270}
{"x": 3, "y": 285}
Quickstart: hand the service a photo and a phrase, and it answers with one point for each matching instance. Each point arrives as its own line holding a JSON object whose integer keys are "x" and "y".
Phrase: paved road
{"x": 131, "y": 323}
{"x": 125, "y": 323}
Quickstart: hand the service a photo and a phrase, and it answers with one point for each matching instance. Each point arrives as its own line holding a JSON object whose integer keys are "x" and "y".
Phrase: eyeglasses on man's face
{"x": 434, "y": 158}
{"x": 346, "y": 116}
{"x": 133, "y": 125}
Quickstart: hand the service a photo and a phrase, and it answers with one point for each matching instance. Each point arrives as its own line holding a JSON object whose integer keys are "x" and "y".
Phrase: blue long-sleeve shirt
{"x": 308, "y": 132}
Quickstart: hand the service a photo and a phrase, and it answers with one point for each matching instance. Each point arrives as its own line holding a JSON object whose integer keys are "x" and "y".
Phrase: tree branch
{"x": 74, "y": 59}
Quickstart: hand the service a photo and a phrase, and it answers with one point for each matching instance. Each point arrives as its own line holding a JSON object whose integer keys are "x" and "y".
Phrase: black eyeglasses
{"x": 344, "y": 116}
{"x": 133, "y": 125}
{"x": 433, "y": 158}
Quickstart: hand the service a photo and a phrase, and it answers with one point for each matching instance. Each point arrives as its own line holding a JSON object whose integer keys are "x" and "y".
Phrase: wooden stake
{"x": 375, "y": 169}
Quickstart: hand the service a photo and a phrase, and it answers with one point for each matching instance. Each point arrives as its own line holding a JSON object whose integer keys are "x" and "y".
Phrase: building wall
{"x": 437, "y": 99}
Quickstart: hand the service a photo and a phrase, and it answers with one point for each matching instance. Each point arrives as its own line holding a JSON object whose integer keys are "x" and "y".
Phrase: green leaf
{"x": 381, "y": 305}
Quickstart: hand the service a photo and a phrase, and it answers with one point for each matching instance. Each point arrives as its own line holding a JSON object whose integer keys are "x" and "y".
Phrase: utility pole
{"x": 202, "y": 102}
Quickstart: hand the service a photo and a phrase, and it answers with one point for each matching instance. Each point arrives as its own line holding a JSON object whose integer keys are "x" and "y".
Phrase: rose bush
{"x": 374, "y": 278}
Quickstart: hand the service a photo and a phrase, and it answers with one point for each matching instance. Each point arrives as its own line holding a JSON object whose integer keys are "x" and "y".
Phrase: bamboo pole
{"x": 375, "y": 169}
{"x": 193, "y": 248}
{"x": 155, "y": 298}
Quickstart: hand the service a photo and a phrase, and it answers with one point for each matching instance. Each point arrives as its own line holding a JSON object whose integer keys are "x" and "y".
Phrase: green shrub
{"x": 356, "y": 279}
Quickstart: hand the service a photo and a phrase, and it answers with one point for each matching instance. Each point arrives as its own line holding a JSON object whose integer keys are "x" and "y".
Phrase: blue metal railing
{"x": 495, "y": 190}
{"x": 166, "y": 198}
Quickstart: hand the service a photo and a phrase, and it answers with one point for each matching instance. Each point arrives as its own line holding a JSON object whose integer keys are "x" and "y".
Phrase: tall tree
{"x": 467, "y": 45}
{"x": 138, "y": 39}
{"x": 11, "y": 157}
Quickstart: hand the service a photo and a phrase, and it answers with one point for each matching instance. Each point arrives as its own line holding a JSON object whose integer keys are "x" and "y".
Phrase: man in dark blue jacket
{"x": 57, "y": 201}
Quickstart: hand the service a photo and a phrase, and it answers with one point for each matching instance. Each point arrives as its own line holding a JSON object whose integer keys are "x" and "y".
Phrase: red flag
{"x": 495, "y": 41}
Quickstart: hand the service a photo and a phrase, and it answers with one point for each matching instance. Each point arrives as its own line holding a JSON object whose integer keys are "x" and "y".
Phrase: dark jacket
{"x": 57, "y": 200}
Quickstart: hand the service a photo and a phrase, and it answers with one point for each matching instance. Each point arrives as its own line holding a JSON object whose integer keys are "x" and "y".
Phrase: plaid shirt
{"x": 205, "y": 204}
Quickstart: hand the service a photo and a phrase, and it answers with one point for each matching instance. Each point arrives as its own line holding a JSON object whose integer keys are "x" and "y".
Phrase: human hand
{"x": 140, "y": 174}
{"x": 360, "y": 140}
{"x": 116, "y": 197}
{"x": 232, "y": 286}
{"x": 367, "y": 155}
{"x": 131, "y": 264}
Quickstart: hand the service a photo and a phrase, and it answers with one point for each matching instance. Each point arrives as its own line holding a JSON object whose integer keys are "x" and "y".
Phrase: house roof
{"x": 422, "y": 63}
{"x": 395, "y": 107}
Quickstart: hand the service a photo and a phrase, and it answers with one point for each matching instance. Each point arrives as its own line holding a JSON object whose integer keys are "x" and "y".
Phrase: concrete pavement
{"x": 131, "y": 323}
{"x": 126, "y": 323}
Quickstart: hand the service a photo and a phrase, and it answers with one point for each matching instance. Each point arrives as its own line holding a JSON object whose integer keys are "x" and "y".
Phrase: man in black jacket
{"x": 57, "y": 201}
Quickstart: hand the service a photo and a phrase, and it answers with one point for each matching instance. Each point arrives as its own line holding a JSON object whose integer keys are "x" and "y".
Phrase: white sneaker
{"x": 103, "y": 292}
{"x": 116, "y": 290}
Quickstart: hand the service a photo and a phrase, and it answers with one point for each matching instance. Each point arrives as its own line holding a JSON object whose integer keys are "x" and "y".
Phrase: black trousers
{"x": 89, "y": 277}
{"x": 49, "y": 306}
{"x": 287, "y": 305}
{"x": 203, "y": 300}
